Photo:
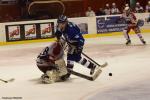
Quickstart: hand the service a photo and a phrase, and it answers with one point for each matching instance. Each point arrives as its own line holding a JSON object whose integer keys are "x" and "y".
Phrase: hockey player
{"x": 50, "y": 61}
{"x": 131, "y": 22}
{"x": 75, "y": 40}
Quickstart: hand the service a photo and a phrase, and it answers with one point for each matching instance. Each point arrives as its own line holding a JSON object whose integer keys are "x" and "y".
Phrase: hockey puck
{"x": 110, "y": 74}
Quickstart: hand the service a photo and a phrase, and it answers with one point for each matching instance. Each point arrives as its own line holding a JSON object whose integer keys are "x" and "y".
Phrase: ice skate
{"x": 144, "y": 42}
{"x": 128, "y": 42}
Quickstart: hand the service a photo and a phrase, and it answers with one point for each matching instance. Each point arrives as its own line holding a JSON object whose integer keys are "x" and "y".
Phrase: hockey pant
{"x": 136, "y": 29}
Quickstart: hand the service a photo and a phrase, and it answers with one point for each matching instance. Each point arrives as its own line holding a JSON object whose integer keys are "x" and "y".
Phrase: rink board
{"x": 43, "y": 30}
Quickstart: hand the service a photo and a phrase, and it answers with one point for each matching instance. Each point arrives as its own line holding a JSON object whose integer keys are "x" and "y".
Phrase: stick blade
{"x": 91, "y": 78}
{"x": 96, "y": 74}
{"x": 80, "y": 75}
{"x": 103, "y": 65}
{"x": 10, "y": 80}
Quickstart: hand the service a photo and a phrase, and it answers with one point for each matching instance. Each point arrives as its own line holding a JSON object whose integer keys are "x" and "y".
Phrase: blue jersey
{"x": 72, "y": 34}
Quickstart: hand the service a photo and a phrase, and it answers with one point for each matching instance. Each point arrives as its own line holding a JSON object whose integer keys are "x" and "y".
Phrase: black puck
{"x": 110, "y": 74}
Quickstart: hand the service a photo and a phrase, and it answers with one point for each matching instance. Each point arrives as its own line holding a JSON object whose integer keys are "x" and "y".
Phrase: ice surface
{"x": 129, "y": 65}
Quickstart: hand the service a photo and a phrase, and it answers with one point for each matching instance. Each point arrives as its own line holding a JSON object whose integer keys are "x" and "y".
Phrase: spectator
{"x": 114, "y": 9}
{"x": 100, "y": 12}
{"x": 148, "y": 19}
{"x": 28, "y": 2}
{"x": 1, "y": 19}
{"x": 90, "y": 12}
{"x": 24, "y": 6}
{"x": 7, "y": 18}
{"x": 148, "y": 7}
{"x": 107, "y": 9}
{"x": 126, "y": 5}
{"x": 138, "y": 8}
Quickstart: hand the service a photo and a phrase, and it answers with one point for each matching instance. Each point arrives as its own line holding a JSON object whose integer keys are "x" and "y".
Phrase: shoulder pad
{"x": 71, "y": 24}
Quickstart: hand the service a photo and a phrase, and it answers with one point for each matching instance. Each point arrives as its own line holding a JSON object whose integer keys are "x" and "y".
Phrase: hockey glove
{"x": 58, "y": 34}
{"x": 140, "y": 22}
{"x": 79, "y": 49}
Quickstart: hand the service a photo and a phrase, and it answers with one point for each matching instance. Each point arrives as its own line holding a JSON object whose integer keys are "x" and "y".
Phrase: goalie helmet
{"x": 62, "y": 18}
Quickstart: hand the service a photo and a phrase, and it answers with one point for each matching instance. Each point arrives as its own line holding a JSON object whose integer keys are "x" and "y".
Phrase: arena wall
{"x": 88, "y": 25}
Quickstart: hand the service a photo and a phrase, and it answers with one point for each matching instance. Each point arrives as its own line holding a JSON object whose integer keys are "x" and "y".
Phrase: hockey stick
{"x": 7, "y": 81}
{"x": 91, "y": 78}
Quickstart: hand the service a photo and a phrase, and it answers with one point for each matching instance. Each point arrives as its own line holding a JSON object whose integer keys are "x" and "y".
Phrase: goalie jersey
{"x": 46, "y": 59}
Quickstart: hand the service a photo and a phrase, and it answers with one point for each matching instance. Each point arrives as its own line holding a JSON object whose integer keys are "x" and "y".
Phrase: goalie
{"x": 51, "y": 62}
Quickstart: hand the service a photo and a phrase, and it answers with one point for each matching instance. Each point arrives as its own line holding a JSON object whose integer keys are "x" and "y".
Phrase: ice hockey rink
{"x": 129, "y": 65}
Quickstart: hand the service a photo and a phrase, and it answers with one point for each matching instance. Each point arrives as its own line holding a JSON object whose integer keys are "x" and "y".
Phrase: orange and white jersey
{"x": 130, "y": 18}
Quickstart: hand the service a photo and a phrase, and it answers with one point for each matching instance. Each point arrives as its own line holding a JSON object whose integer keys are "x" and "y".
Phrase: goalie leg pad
{"x": 55, "y": 75}
{"x": 50, "y": 77}
{"x": 91, "y": 78}
{"x": 88, "y": 64}
{"x": 61, "y": 67}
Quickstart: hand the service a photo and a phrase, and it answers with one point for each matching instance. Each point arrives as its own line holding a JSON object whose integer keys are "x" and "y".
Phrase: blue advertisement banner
{"x": 109, "y": 24}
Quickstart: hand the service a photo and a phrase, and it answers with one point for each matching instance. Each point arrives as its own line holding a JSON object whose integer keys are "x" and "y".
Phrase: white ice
{"x": 129, "y": 65}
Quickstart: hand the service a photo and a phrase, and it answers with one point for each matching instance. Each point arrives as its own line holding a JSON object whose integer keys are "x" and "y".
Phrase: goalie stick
{"x": 103, "y": 65}
{"x": 91, "y": 78}
{"x": 7, "y": 81}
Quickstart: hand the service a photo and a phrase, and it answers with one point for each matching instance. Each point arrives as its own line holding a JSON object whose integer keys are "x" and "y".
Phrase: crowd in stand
{"x": 109, "y": 9}
{"x": 113, "y": 9}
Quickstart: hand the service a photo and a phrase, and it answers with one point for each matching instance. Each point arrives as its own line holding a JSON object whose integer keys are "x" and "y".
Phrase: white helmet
{"x": 127, "y": 5}
{"x": 107, "y": 5}
{"x": 113, "y": 4}
{"x": 126, "y": 8}
{"x": 137, "y": 3}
